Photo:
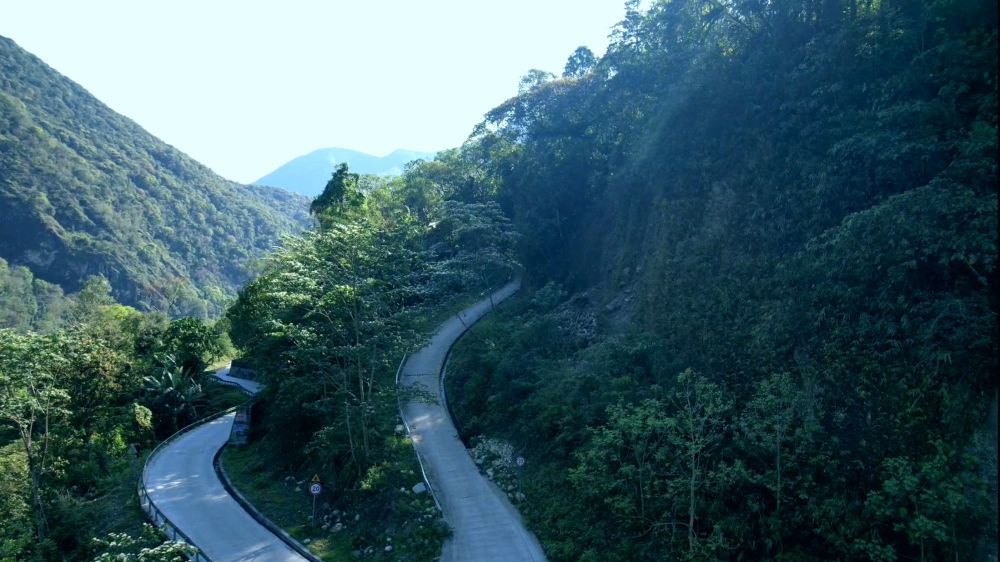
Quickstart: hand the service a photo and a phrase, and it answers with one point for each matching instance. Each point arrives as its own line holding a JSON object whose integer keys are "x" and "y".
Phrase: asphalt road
{"x": 182, "y": 482}
{"x": 485, "y": 526}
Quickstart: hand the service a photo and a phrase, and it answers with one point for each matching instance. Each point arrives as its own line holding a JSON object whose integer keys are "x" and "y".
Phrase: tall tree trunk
{"x": 35, "y": 472}
{"x": 350, "y": 431}
{"x": 777, "y": 491}
{"x": 691, "y": 501}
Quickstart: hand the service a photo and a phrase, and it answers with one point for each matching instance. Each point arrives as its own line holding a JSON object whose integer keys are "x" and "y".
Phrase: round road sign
{"x": 315, "y": 488}
{"x": 520, "y": 461}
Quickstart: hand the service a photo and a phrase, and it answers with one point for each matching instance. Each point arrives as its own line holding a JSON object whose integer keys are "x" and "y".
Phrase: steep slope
{"x": 308, "y": 174}
{"x": 773, "y": 226}
{"x": 85, "y": 191}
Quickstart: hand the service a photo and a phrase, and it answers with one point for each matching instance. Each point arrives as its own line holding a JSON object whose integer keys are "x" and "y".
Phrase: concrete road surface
{"x": 486, "y": 527}
{"x": 253, "y": 387}
{"x": 182, "y": 483}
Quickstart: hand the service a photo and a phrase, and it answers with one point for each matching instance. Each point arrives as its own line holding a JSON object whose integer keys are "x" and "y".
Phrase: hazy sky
{"x": 244, "y": 86}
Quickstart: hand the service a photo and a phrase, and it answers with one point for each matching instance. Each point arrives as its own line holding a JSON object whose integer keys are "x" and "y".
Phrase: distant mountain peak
{"x": 308, "y": 174}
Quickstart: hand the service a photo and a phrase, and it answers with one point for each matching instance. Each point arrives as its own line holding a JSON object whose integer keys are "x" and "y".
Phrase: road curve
{"x": 182, "y": 482}
{"x": 248, "y": 385}
{"x": 485, "y": 526}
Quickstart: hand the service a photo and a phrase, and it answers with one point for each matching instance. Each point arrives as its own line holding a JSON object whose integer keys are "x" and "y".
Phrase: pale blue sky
{"x": 244, "y": 86}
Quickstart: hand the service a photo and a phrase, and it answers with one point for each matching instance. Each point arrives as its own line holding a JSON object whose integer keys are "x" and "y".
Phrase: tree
{"x": 533, "y": 79}
{"x": 17, "y": 530}
{"x": 149, "y": 546}
{"x": 927, "y": 500}
{"x": 17, "y": 303}
{"x": 779, "y": 426}
{"x": 579, "y": 63}
{"x": 654, "y": 463}
{"x": 173, "y": 394}
{"x": 323, "y": 321}
{"x": 473, "y": 245}
{"x": 192, "y": 344}
{"x": 31, "y": 402}
{"x": 340, "y": 197}
{"x": 694, "y": 437}
{"x": 95, "y": 293}
{"x": 68, "y": 407}
{"x": 621, "y": 463}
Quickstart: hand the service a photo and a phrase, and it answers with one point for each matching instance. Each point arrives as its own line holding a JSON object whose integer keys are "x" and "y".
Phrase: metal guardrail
{"x": 231, "y": 383}
{"x": 147, "y": 504}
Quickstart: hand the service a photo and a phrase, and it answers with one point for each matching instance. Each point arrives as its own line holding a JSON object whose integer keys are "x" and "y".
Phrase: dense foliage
{"x": 770, "y": 233}
{"x": 326, "y": 324}
{"x": 85, "y": 191}
{"x": 759, "y": 320}
{"x": 78, "y": 413}
{"x": 30, "y": 303}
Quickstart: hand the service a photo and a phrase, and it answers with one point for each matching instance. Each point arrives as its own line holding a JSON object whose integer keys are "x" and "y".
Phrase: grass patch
{"x": 359, "y": 524}
{"x": 274, "y": 496}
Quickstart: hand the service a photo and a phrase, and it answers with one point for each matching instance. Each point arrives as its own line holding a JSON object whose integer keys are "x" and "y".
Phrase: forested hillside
{"x": 759, "y": 319}
{"x": 762, "y": 239}
{"x": 27, "y": 303}
{"x": 85, "y": 191}
{"x": 80, "y": 407}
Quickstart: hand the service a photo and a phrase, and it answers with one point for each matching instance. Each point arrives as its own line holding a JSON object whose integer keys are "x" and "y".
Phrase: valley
{"x": 748, "y": 260}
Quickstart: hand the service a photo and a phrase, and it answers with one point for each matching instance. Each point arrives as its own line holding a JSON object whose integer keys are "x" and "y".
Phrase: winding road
{"x": 181, "y": 481}
{"x": 485, "y": 526}
{"x": 180, "y": 478}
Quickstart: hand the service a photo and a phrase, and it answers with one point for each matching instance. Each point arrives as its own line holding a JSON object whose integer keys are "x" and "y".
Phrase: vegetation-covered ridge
{"x": 85, "y": 191}
{"x": 759, "y": 316}
{"x": 760, "y": 319}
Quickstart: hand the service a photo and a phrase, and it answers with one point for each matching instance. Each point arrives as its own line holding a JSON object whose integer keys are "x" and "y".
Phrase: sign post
{"x": 315, "y": 489}
{"x": 520, "y": 467}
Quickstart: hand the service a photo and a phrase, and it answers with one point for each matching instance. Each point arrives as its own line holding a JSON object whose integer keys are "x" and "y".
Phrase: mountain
{"x": 86, "y": 191}
{"x": 759, "y": 312}
{"x": 309, "y": 173}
